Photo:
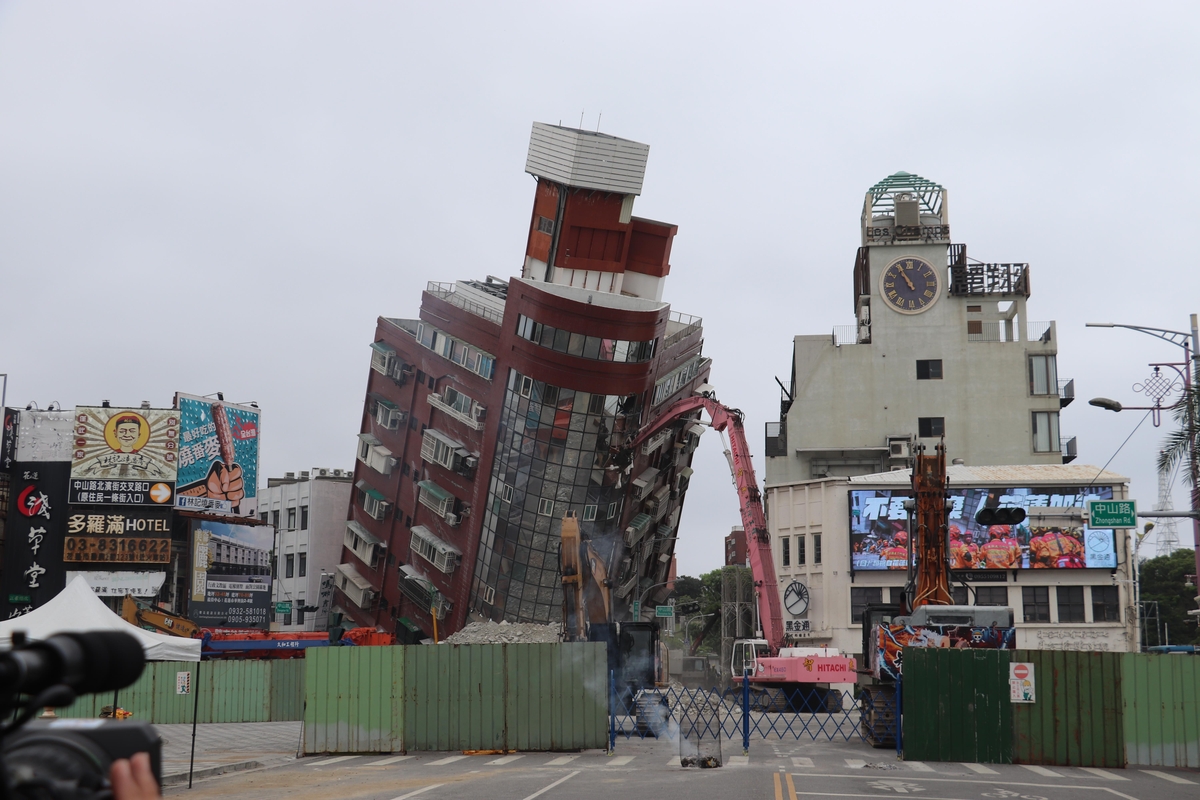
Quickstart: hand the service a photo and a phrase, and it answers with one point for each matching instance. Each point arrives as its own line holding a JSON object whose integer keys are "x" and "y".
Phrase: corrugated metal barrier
{"x": 456, "y": 697}
{"x": 1092, "y": 709}
{"x": 230, "y": 691}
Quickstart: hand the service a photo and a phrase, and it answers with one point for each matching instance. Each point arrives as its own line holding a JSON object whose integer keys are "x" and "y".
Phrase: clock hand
{"x": 907, "y": 280}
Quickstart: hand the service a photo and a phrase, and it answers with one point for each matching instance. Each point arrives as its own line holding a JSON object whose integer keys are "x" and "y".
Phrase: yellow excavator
{"x": 586, "y": 591}
{"x": 144, "y": 615}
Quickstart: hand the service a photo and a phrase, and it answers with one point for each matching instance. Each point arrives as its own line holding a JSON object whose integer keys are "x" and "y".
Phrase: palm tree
{"x": 1183, "y": 443}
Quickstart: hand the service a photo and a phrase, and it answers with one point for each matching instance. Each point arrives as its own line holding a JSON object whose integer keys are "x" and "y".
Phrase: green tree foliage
{"x": 1164, "y": 579}
{"x": 706, "y": 590}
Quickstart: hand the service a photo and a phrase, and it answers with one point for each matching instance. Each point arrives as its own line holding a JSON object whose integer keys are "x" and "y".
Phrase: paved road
{"x": 650, "y": 771}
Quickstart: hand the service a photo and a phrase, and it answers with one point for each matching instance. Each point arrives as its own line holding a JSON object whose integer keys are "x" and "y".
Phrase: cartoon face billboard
{"x": 218, "y": 456}
{"x": 124, "y": 456}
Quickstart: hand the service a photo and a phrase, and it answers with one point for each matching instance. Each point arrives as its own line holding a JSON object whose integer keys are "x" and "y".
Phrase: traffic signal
{"x": 687, "y": 608}
{"x": 999, "y": 516}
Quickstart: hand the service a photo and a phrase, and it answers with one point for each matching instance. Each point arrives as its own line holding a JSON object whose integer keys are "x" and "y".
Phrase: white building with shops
{"x": 941, "y": 345}
{"x": 309, "y": 516}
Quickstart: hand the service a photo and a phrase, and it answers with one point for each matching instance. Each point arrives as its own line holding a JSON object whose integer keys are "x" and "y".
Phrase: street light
{"x": 1190, "y": 342}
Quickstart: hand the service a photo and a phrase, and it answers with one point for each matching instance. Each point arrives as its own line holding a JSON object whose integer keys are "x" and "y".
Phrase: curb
{"x": 209, "y": 772}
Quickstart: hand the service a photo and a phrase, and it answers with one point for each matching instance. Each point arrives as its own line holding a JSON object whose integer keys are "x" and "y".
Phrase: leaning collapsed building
{"x": 506, "y": 403}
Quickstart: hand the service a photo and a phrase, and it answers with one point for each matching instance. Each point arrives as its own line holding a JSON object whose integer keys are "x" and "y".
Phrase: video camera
{"x": 67, "y": 759}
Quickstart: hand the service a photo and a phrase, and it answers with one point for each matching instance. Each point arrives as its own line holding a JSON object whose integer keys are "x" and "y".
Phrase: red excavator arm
{"x": 758, "y": 540}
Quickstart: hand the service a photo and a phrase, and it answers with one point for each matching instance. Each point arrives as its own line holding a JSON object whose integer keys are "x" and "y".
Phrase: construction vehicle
{"x": 805, "y": 673}
{"x": 587, "y": 594}
{"x": 145, "y": 615}
{"x": 254, "y": 643}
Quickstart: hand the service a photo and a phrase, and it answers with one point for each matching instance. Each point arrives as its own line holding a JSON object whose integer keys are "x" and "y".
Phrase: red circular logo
{"x": 1021, "y": 671}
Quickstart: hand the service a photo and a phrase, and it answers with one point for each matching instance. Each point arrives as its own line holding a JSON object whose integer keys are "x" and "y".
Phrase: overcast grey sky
{"x": 224, "y": 196}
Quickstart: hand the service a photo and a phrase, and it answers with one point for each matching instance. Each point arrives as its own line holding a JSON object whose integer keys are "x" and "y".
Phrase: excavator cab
{"x": 746, "y": 653}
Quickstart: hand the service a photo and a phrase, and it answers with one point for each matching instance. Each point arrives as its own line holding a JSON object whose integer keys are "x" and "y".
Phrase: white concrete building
{"x": 309, "y": 516}
{"x": 941, "y": 346}
{"x": 815, "y": 527}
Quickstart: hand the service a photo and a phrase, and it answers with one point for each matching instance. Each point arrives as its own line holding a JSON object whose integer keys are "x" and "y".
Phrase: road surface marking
{"x": 1049, "y": 773}
{"x": 1168, "y": 777}
{"x": 385, "y": 761}
{"x": 801, "y": 761}
{"x": 855, "y": 763}
{"x": 674, "y": 761}
{"x": 778, "y": 787}
{"x": 563, "y": 779}
{"x": 1101, "y": 773}
{"x": 791, "y": 786}
{"x": 919, "y": 766}
{"x": 503, "y": 760}
{"x": 333, "y": 760}
{"x": 1005, "y": 782}
{"x": 738, "y": 761}
{"x": 418, "y": 791}
{"x": 561, "y": 761}
{"x": 980, "y": 768}
{"x": 620, "y": 761}
{"x": 446, "y": 760}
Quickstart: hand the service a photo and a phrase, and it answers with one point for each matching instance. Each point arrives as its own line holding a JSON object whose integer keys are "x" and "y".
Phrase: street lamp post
{"x": 637, "y": 550}
{"x": 1190, "y": 342}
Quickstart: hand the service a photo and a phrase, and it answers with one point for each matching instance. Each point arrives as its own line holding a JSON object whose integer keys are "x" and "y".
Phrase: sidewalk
{"x": 228, "y": 746}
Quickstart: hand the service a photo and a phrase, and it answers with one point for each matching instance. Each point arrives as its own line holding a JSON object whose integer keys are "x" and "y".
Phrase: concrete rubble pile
{"x": 505, "y": 633}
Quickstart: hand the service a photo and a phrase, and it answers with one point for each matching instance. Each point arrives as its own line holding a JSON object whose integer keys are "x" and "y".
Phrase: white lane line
{"x": 738, "y": 761}
{"x": 418, "y": 791}
{"x": 620, "y": 761}
{"x": 385, "y": 761}
{"x": 919, "y": 766}
{"x": 1166, "y": 776}
{"x": 855, "y": 763}
{"x": 801, "y": 761}
{"x": 503, "y": 760}
{"x": 980, "y": 768}
{"x": 674, "y": 762}
{"x": 1049, "y": 773}
{"x": 333, "y": 760}
{"x": 1102, "y": 773}
{"x": 561, "y": 761}
{"x": 563, "y": 779}
{"x": 446, "y": 760}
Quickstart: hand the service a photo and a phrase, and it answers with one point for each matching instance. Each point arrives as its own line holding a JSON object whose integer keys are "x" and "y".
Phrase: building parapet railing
{"x": 438, "y": 402}
{"x": 1069, "y": 449}
{"x": 679, "y": 327}
{"x": 1039, "y": 331}
{"x": 845, "y": 334}
{"x": 990, "y": 331}
{"x": 446, "y": 291}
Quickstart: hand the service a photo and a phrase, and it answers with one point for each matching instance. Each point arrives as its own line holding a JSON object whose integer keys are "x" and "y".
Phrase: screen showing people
{"x": 1051, "y": 537}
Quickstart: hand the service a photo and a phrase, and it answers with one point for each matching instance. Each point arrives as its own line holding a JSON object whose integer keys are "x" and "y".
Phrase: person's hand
{"x": 132, "y": 779}
{"x": 225, "y": 483}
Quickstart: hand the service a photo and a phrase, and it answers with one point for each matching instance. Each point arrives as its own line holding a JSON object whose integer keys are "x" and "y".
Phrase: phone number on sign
{"x": 117, "y": 548}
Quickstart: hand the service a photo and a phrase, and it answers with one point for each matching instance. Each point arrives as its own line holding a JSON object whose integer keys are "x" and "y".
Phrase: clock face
{"x": 795, "y": 598}
{"x": 909, "y": 285}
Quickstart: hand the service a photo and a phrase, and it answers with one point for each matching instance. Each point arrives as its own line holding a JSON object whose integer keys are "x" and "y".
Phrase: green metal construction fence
{"x": 456, "y": 697}
{"x": 1091, "y": 709}
{"x": 229, "y": 691}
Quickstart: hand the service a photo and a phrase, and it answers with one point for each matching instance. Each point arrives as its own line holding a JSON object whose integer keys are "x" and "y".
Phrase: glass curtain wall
{"x": 552, "y": 456}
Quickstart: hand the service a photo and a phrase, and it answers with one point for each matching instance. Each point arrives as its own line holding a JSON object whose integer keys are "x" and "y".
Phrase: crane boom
{"x": 754, "y": 520}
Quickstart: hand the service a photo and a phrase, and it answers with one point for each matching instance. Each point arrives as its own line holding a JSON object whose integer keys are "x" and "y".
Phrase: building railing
{"x": 1039, "y": 331}
{"x": 679, "y": 327}
{"x": 1066, "y": 393}
{"x": 1069, "y": 449}
{"x": 845, "y": 334}
{"x": 446, "y": 291}
{"x": 438, "y": 402}
{"x": 990, "y": 331}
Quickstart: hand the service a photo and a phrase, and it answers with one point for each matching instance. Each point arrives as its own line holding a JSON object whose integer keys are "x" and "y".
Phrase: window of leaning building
{"x": 551, "y": 458}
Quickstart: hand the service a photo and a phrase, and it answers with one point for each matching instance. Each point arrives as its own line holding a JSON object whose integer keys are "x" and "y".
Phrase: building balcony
{"x": 446, "y": 291}
{"x": 1069, "y": 450}
{"x": 473, "y": 420}
{"x": 1066, "y": 393}
{"x": 679, "y": 327}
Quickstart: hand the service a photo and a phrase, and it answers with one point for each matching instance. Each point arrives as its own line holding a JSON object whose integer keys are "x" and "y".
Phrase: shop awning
{"x": 369, "y": 439}
{"x": 364, "y": 534}
{"x": 352, "y": 575}
{"x": 366, "y": 488}
{"x": 435, "y": 491}
{"x": 383, "y": 401}
{"x": 442, "y": 546}
{"x": 383, "y": 348}
{"x": 646, "y": 478}
{"x": 640, "y": 523}
{"x": 410, "y": 572}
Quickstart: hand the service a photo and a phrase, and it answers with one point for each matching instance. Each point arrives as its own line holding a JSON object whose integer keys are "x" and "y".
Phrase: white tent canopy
{"x": 76, "y": 609}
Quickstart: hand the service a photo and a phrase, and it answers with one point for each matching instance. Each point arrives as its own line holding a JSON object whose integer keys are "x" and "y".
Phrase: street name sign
{"x": 664, "y": 611}
{"x": 1112, "y": 514}
{"x": 637, "y": 609}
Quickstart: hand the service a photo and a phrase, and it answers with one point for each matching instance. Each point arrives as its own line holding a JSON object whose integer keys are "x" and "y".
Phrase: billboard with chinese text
{"x": 44, "y": 435}
{"x": 218, "y": 456}
{"x": 32, "y": 571}
{"x": 124, "y": 456}
{"x": 879, "y": 530}
{"x": 230, "y": 583}
{"x": 102, "y": 537}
